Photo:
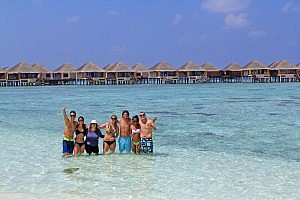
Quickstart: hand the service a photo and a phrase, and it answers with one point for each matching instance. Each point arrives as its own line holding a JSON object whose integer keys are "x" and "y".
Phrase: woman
{"x": 112, "y": 132}
{"x": 135, "y": 135}
{"x": 80, "y": 132}
{"x": 92, "y": 138}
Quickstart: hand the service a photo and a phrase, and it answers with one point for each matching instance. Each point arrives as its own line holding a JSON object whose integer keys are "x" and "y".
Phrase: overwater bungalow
{"x": 162, "y": 73}
{"x": 3, "y": 76}
{"x": 141, "y": 73}
{"x": 211, "y": 72}
{"x": 22, "y": 74}
{"x": 45, "y": 74}
{"x": 283, "y": 71}
{"x": 190, "y": 73}
{"x": 64, "y": 75}
{"x": 119, "y": 73}
{"x": 90, "y": 74}
{"x": 232, "y": 73}
{"x": 256, "y": 72}
{"x": 298, "y": 72}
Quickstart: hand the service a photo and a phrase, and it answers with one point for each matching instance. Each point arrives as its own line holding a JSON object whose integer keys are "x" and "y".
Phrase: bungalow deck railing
{"x": 259, "y": 78}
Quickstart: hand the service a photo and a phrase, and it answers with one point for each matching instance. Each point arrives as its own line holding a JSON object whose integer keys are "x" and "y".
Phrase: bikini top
{"x": 79, "y": 132}
{"x": 113, "y": 132}
{"x": 136, "y": 131}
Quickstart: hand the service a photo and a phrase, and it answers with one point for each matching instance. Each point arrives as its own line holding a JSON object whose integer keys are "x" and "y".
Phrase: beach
{"x": 213, "y": 141}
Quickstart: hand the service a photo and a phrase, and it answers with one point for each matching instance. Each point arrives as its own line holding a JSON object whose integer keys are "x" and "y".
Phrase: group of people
{"x": 133, "y": 134}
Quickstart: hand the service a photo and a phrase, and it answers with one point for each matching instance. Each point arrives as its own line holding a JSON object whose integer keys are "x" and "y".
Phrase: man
{"x": 125, "y": 139}
{"x": 69, "y": 129}
{"x": 147, "y": 127}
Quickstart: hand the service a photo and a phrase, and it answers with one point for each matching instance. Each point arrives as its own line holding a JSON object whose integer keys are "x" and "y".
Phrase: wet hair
{"x": 80, "y": 117}
{"x": 125, "y": 111}
{"x": 114, "y": 116}
{"x": 84, "y": 125}
{"x": 136, "y": 117}
{"x": 72, "y": 111}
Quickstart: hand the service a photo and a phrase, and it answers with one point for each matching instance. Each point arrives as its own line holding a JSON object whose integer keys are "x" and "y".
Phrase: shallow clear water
{"x": 213, "y": 141}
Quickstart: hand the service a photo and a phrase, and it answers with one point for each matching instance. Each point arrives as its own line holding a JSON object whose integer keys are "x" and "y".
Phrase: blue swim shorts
{"x": 125, "y": 144}
{"x": 68, "y": 146}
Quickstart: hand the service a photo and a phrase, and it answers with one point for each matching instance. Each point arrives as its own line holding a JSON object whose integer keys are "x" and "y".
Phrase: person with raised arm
{"x": 69, "y": 129}
{"x": 147, "y": 127}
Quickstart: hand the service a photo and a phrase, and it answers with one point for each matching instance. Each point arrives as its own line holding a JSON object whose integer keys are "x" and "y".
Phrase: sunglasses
{"x": 141, "y": 115}
{"x": 80, "y": 120}
{"x": 114, "y": 118}
{"x": 134, "y": 121}
{"x": 73, "y": 115}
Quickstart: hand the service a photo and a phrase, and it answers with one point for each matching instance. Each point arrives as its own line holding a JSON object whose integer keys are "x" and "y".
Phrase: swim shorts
{"x": 68, "y": 146}
{"x": 125, "y": 144}
{"x": 146, "y": 145}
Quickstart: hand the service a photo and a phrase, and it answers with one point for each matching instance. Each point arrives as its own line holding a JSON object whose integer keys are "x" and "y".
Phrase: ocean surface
{"x": 213, "y": 141}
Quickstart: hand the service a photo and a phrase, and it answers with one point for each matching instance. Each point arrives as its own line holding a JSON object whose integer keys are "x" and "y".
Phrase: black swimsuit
{"x": 110, "y": 142}
{"x": 80, "y": 132}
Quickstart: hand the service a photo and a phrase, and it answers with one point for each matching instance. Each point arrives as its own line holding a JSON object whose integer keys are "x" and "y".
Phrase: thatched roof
{"x": 22, "y": 67}
{"x": 209, "y": 67}
{"x": 255, "y": 65}
{"x": 140, "y": 67}
{"x": 41, "y": 68}
{"x": 90, "y": 67}
{"x": 283, "y": 64}
{"x": 162, "y": 66}
{"x": 190, "y": 66}
{"x": 65, "y": 68}
{"x": 109, "y": 66}
{"x": 118, "y": 67}
{"x": 232, "y": 67}
{"x": 3, "y": 70}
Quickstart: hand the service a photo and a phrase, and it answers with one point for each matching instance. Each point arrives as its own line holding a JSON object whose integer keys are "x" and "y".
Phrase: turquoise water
{"x": 213, "y": 141}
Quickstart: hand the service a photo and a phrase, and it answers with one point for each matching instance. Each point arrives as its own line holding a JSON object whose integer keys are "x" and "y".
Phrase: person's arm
{"x": 66, "y": 119}
{"x": 117, "y": 131}
{"x": 131, "y": 134}
{"x": 119, "y": 120}
{"x": 102, "y": 126}
{"x": 100, "y": 134}
{"x": 154, "y": 119}
{"x": 153, "y": 125}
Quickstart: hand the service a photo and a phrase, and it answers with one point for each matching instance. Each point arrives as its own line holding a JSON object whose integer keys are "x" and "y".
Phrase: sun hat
{"x": 93, "y": 121}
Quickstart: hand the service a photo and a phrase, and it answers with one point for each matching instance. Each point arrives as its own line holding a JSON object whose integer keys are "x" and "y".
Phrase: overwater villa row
{"x": 119, "y": 73}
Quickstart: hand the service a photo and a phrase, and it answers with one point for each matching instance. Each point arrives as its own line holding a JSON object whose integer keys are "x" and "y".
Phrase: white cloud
{"x": 236, "y": 21}
{"x": 257, "y": 33}
{"x": 177, "y": 19}
{"x": 225, "y": 6}
{"x": 113, "y": 13}
{"x": 290, "y": 7}
{"x": 73, "y": 19}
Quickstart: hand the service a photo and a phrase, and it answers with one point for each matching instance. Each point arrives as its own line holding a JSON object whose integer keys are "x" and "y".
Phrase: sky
{"x": 55, "y": 32}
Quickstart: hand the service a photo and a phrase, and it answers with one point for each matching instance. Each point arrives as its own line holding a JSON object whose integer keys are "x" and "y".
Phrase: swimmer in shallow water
{"x": 147, "y": 127}
{"x": 135, "y": 135}
{"x": 112, "y": 132}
